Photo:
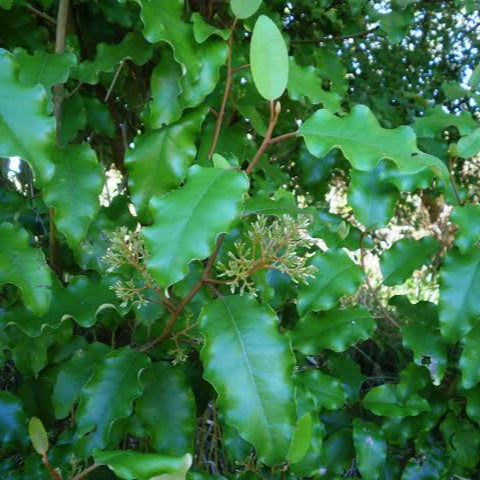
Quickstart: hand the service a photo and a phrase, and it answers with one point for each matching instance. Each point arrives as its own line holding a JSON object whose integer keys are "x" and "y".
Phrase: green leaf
{"x": 160, "y": 159}
{"x": 244, "y": 8}
{"x": 25, "y": 129}
{"x": 365, "y": 143}
{"x": 404, "y": 257}
{"x": 268, "y": 59}
{"x": 73, "y": 375}
{"x": 336, "y": 330}
{"x": 371, "y": 449}
{"x": 469, "y": 145}
{"x": 13, "y": 423}
{"x": 473, "y": 404}
{"x": 306, "y": 82}
{"x": 372, "y": 200}
{"x": 302, "y": 436}
{"x": 396, "y": 25}
{"x": 467, "y": 217}
{"x": 459, "y": 286}
{"x": 108, "y": 57}
{"x": 203, "y": 30}
{"x": 348, "y": 372}
{"x": 327, "y": 391}
{"x": 130, "y": 465}
{"x": 436, "y": 120}
{"x": 337, "y": 276}
{"x": 184, "y": 228}
{"x": 250, "y": 365}
{"x": 200, "y": 62}
{"x": 474, "y": 81}
{"x": 388, "y": 400}
{"x": 77, "y": 175}
{"x": 167, "y": 409}
{"x": 108, "y": 396}
{"x": 468, "y": 362}
{"x": 25, "y": 267}
{"x": 38, "y": 435}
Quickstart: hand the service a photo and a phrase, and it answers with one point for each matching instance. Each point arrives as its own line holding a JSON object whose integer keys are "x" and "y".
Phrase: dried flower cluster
{"x": 281, "y": 245}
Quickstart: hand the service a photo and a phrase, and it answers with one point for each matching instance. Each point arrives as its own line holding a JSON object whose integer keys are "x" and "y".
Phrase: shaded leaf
{"x": 370, "y": 447}
{"x": 13, "y": 423}
{"x": 327, "y": 391}
{"x": 467, "y": 217}
{"x": 468, "y": 362}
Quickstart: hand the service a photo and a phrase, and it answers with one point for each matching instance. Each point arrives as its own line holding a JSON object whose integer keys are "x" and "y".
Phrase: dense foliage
{"x": 240, "y": 239}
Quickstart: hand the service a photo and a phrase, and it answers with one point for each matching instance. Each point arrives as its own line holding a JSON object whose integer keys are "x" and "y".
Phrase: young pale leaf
{"x": 251, "y": 366}
{"x": 459, "y": 287}
{"x": 187, "y": 220}
{"x": 404, "y": 257}
{"x": 108, "y": 396}
{"x": 160, "y": 159}
{"x": 167, "y": 409}
{"x": 25, "y": 129}
{"x": 77, "y": 174}
{"x": 327, "y": 392}
{"x": 469, "y": 145}
{"x": 365, "y": 143}
{"x": 131, "y": 465}
{"x": 468, "y": 362}
{"x": 371, "y": 449}
{"x": 25, "y": 267}
{"x": 245, "y": 8}
{"x": 467, "y": 218}
{"x": 336, "y": 330}
{"x": 38, "y": 435}
{"x": 13, "y": 423}
{"x": 302, "y": 436}
{"x": 268, "y": 59}
{"x": 337, "y": 275}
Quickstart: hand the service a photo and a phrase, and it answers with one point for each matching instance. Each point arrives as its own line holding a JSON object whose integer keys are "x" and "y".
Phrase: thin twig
{"x": 240, "y": 68}
{"x": 85, "y": 472}
{"x": 53, "y": 473}
{"x": 281, "y": 138}
{"x": 41, "y": 14}
{"x": 334, "y": 38}
{"x": 114, "y": 80}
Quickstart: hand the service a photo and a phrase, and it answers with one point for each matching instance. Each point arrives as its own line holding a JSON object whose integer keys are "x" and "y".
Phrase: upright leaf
{"x": 302, "y": 437}
{"x": 77, "y": 175}
{"x": 371, "y": 449}
{"x": 268, "y": 59}
{"x": 13, "y": 423}
{"x": 245, "y": 8}
{"x": 108, "y": 397}
{"x": 468, "y": 362}
{"x": 185, "y": 227}
{"x": 25, "y": 267}
{"x": 250, "y": 365}
{"x": 25, "y": 129}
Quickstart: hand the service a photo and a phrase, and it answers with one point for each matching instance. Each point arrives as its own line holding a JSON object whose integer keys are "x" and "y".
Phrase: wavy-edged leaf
{"x": 108, "y": 57}
{"x": 469, "y": 145}
{"x": 459, "y": 287}
{"x": 130, "y": 465}
{"x": 371, "y": 449}
{"x": 268, "y": 59}
{"x": 404, "y": 257}
{"x": 160, "y": 159}
{"x": 77, "y": 176}
{"x": 244, "y": 8}
{"x": 184, "y": 227}
{"x": 203, "y": 31}
{"x": 335, "y": 330}
{"x": 24, "y": 266}
{"x": 365, "y": 143}
{"x": 302, "y": 437}
{"x": 108, "y": 396}
{"x": 167, "y": 409}
{"x": 25, "y": 129}
{"x": 13, "y": 422}
{"x": 73, "y": 374}
{"x": 468, "y": 362}
{"x": 467, "y": 217}
{"x": 327, "y": 391}
{"x": 250, "y": 365}
{"x": 337, "y": 275}
{"x": 436, "y": 120}
{"x": 200, "y": 62}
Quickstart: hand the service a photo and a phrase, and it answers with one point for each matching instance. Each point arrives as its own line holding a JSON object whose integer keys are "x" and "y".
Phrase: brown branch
{"x": 41, "y": 14}
{"x": 281, "y": 138}
{"x": 53, "y": 473}
{"x": 226, "y": 93}
{"x": 334, "y": 38}
{"x": 240, "y": 68}
{"x": 85, "y": 472}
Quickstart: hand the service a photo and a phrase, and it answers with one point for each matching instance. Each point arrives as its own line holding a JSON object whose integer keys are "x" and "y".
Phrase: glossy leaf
{"x": 13, "y": 423}
{"x": 167, "y": 409}
{"x": 365, "y": 143}
{"x": 108, "y": 396}
{"x": 130, "y": 465}
{"x": 404, "y": 257}
{"x": 250, "y": 366}
{"x": 327, "y": 391}
{"x": 459, "y": 284}
{"x": 268, "y": 59}
{"x": 77, "y": 174}
{"x": 38, "y": 435}
{"x": 370, "y": 447}
{"x": 335, "y": 330}
{"x": 203, "y": 31}
{"x": 467, "y": 218}
{"x": 302, "y": 437}
{"x": 469, "y": 145}
{"x": 24, "y": 266}
{"x": 244, "y": 8}
{"x": 337, "y": 275}
{"x": 160, "y": 159}
{"x": 184, "y": 228}
{"x": 25, "y": 129}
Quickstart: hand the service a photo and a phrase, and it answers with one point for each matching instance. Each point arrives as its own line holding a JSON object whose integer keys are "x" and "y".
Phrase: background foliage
{"x": 239, "y": 239}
